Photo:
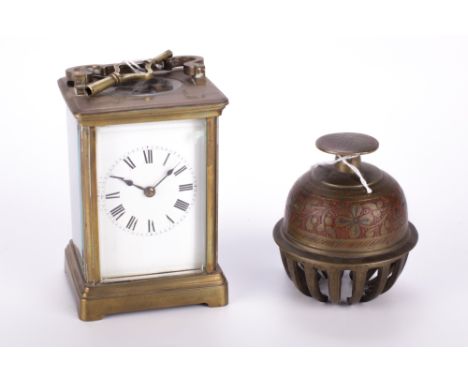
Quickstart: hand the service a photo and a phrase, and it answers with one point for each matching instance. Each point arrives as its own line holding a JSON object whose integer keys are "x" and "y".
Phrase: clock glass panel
{"x": 75, "y": 185}
{"x": 151, "y": 198}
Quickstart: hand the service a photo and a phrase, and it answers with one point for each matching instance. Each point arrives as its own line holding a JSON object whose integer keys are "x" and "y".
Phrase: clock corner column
{"x": 90, "y": 213}
{"x": 211, "y": 194}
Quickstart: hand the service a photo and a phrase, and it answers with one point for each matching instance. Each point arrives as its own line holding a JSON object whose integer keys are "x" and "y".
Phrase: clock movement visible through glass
{"x": 152, "y": 198}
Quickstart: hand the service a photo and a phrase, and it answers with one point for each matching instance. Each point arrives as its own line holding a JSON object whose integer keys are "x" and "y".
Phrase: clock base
{"x": 95, "y": 301}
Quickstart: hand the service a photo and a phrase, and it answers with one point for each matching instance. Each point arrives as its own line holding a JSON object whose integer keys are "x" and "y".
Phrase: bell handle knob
{"x": 347, "y": 144}
{"x": 351, "y": 145}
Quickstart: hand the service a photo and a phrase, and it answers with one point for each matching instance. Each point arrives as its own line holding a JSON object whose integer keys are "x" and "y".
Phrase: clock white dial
{"x": 149, "y": 190}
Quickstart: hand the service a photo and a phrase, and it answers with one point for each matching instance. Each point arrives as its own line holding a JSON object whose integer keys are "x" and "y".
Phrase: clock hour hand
{"x": 128, "y": 182}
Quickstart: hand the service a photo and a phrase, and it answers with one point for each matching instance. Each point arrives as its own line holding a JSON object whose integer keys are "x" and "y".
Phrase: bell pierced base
{"x": 95, "y": 301}
{"x": 339, "y": 279}
{"x": 324, "y": 281}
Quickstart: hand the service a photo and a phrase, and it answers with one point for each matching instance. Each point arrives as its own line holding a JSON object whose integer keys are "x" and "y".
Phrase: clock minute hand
{"x": 168, "y": 173}
{"x": 128, "y": 182}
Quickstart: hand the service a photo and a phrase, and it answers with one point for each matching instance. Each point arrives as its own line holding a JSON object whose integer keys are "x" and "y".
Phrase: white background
{"x": 292, "y": 71}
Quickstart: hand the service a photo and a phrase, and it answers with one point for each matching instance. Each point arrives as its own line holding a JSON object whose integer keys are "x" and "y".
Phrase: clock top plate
{"x": 167, "y": 91}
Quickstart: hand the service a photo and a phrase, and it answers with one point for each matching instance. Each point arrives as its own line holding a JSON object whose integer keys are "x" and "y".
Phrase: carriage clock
{"x": 143, "y": 156}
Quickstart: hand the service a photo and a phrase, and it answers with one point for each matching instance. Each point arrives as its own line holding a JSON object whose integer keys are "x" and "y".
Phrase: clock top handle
{"x": 91, "y": 80}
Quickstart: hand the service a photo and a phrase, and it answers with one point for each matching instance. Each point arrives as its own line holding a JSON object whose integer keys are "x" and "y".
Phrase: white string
{"x": 137, "y": 68}
{"x": 344, "y": 160}
{"x": 133, "y": 65}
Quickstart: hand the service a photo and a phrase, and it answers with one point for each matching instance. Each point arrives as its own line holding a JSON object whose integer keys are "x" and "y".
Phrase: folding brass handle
{"x": 117, "y": 78}
{"x": 93, "y": 79}
{"x": 347, "y": 144}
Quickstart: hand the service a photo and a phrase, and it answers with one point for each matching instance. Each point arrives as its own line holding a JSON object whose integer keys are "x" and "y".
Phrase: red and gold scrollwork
{"x": 346, "y": 219}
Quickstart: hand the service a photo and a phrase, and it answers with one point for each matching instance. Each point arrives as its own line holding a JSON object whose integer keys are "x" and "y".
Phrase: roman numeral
{"x": 181, "y": 205}
{"x": 132, "y": 222}
{"x": 148, "y": 155}
{"x": 113, "y": 195}
{"x": 151, "y": 226}
{"x": 129, "y": 162}
{"x": 169, "y": 218}
{"x": 182, "y": 169}
{"x": 167, "y": 158}
{"x": 186, "y": 187}
{"x": 118, "y": 212}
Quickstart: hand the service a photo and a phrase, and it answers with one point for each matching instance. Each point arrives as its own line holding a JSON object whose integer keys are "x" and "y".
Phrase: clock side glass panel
{"x": 75, "y": 181}
{"x": 151, "y": 198}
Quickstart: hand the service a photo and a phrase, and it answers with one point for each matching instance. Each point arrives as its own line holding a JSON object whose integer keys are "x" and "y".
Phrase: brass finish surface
{"x": 347, "y": 144}
{"x": 322, "y": 278}
{"x": 149, "y": 191}
{"x": 333, "y": 227}
{"x": 203, "y": 292}
{"x": 211, "y": 194}
{"x": 152, "y": 115}
{"x": 346, "y": 218}
{"x": 192, "y": 97}
{"x": 93, "y": 79}
{"x": 333, "y": 256}
{"x": 98, "y": 300}
{"x": 184, "y": 95}
{"x": 116, "y": 77}
{"x": 90, "y": 212}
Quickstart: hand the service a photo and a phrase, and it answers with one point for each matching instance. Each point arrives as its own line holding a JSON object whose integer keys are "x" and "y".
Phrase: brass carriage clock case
{"x": 162, "y": 89}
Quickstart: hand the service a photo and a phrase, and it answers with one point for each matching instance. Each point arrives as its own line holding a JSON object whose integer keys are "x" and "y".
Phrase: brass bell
{"x": 345, "y": 236}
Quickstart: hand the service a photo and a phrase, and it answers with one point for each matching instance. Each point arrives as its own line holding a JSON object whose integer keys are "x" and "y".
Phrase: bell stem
{"x": 356, "y": 161}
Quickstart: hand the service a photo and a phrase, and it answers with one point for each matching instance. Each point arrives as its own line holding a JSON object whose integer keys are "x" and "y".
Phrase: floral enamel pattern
{"x": 346, "y": 219}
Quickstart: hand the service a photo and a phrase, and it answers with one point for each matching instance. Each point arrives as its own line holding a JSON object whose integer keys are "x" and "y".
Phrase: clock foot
{"x": 87, "y": 313}
{"x": 218, "y": 298}
{"x": 95, "y": 301}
